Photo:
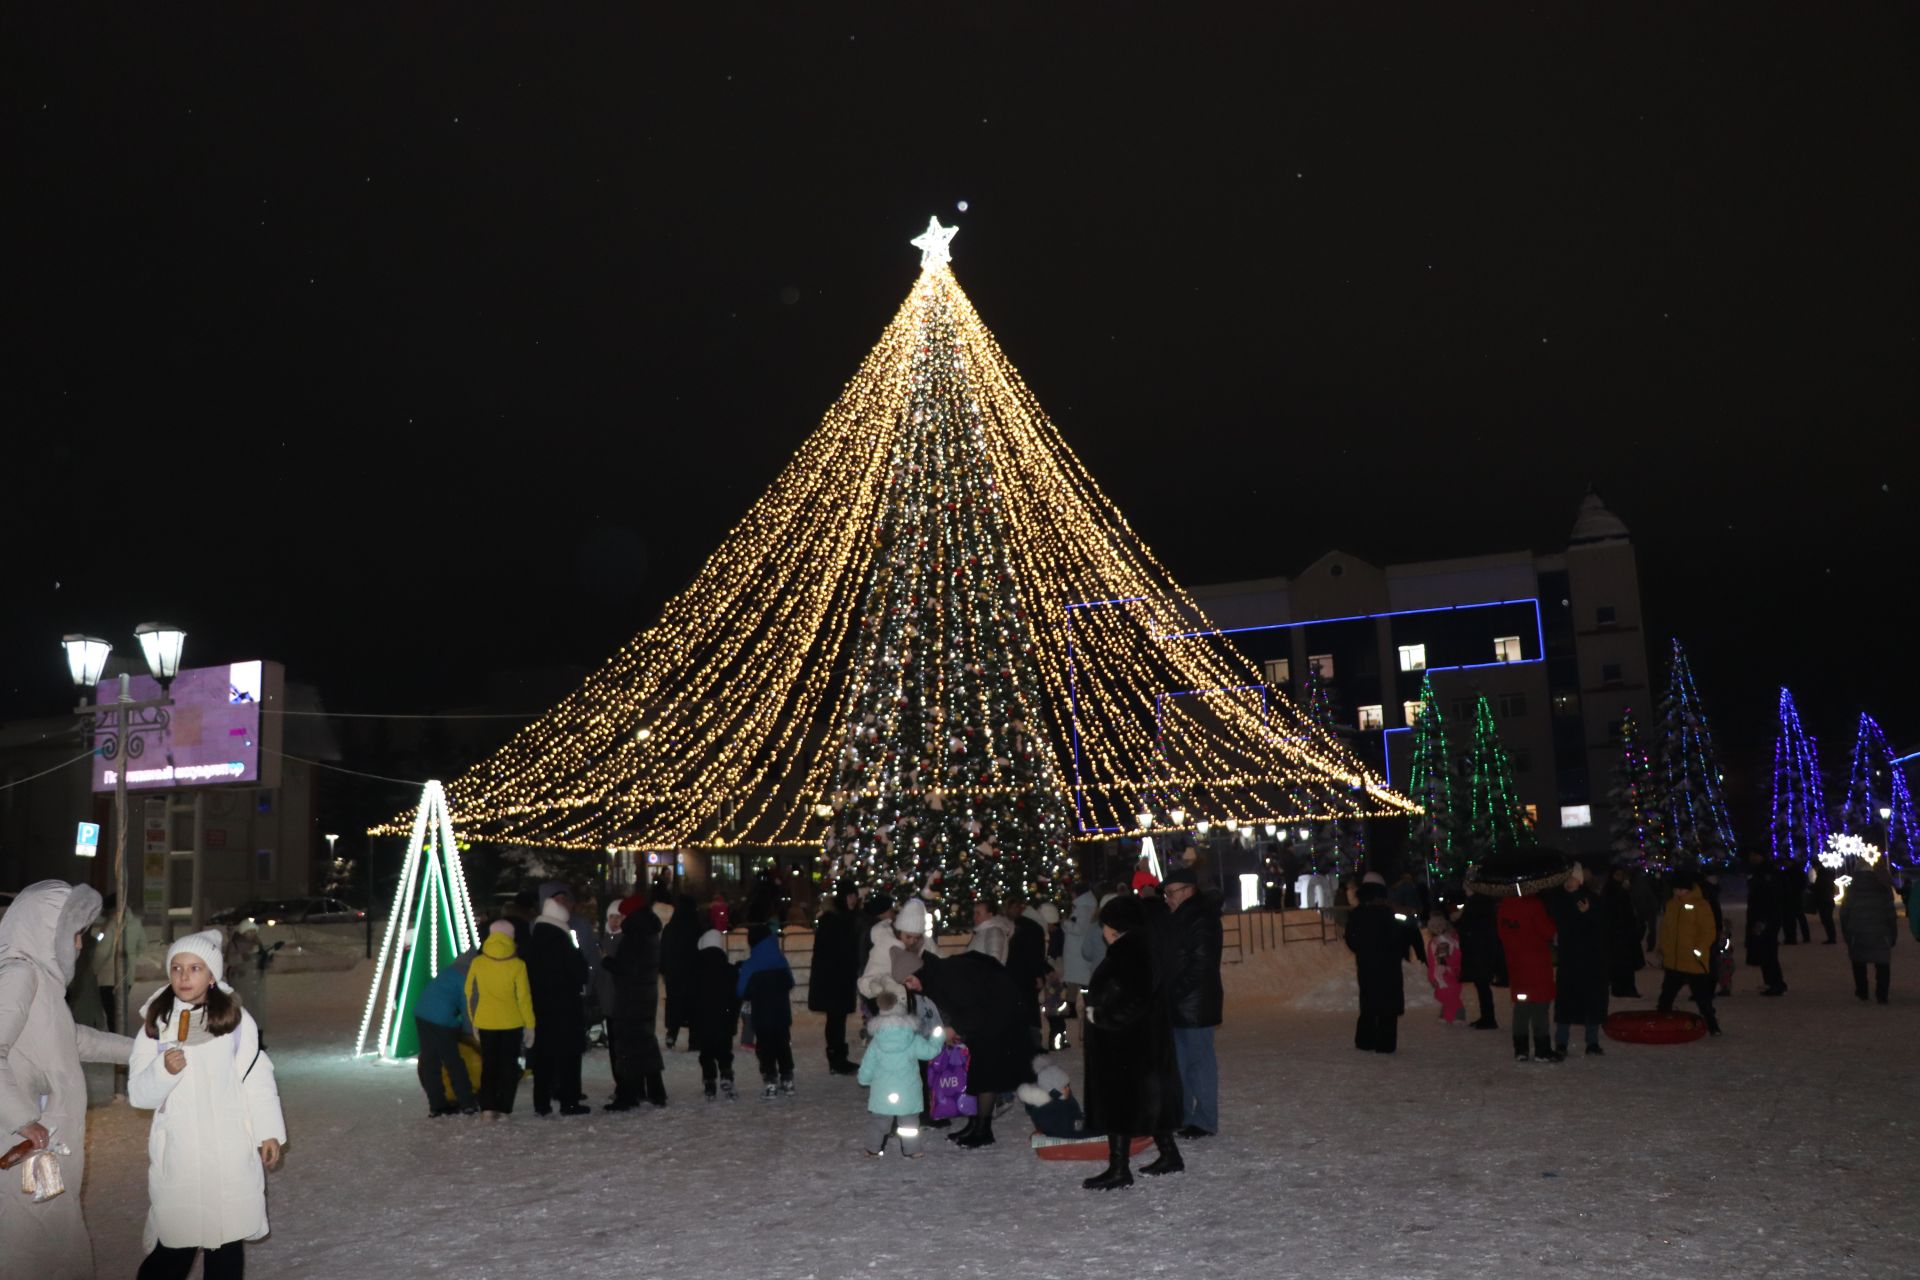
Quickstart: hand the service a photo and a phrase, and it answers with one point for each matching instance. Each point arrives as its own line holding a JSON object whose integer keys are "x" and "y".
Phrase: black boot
{"x": 981, "y": 1135}
{"x": 1118, "y": 1173}
{"x": 1520, "y": 1053}
{"x": 656, "y": 1089}
{"x": 1543, "y": 1051}
{"x": 964, "y": 1131}
{"x": 1169, "y": 1161}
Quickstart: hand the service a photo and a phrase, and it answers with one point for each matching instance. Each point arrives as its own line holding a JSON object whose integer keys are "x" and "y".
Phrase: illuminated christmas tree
{"x": 431, "y": 923}
{"x": 1638, "y": 830}
{"x": 932, "y": 644}
{"x": 1436, "y": 832}
{"x": 1334, "y": 846}
{"x": 1498, "y": 824}
{"x": 1799, "y": 810}
{"x": 1695, "y": 831}
{"x": 1876, "y": 784}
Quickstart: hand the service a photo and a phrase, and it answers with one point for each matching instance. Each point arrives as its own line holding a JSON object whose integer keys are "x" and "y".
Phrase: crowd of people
{"x": 1565, "y": 947}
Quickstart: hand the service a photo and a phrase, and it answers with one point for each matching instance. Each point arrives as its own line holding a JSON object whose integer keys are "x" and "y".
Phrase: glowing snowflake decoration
{"x": 1842, "y": 846}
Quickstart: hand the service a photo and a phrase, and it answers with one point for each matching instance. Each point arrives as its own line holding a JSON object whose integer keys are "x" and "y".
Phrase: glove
{"x": 527, "y": 1040}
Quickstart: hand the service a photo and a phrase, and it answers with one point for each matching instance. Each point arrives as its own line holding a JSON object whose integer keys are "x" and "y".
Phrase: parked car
{"x": 272, "y": 912}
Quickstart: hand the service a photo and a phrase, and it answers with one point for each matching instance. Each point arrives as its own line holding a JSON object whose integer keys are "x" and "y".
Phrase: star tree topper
{"x": 932, "y": 244}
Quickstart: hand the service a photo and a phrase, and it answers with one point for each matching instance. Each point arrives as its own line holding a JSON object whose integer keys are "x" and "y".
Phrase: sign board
{"x": 86, "y": 841}
{"x": 215, "y": 730}
{"x": 155, "y": 841}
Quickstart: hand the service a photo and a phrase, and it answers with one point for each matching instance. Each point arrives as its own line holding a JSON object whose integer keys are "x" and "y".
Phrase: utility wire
{"x": 21, "y": 782}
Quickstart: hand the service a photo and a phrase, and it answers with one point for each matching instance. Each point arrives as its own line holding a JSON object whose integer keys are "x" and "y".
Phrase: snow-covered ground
{"x": 1786, "y": 1148}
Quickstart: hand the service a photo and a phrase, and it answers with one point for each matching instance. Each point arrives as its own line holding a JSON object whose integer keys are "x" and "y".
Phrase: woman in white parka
{"x": 43, "y": 1092}
{"x": 217, "y": 1128}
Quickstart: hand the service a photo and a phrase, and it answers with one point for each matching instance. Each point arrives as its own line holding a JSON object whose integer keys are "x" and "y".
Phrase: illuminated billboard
{"x": 213, "y": 734}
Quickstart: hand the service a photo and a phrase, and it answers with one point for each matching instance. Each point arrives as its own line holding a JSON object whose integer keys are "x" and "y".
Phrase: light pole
{"x": 124, "y": 722}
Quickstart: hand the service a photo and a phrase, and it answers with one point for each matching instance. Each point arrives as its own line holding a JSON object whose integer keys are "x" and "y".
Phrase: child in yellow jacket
{"x": 501, "y": 1005}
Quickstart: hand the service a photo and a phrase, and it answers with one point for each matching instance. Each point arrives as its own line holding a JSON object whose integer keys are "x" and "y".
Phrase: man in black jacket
{"x": 1192, "y": 953}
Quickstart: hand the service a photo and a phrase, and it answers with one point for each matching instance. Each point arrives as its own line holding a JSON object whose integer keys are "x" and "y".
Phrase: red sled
{"x": 1079, "y": 1148}
{"x": 1649, "y": 1026}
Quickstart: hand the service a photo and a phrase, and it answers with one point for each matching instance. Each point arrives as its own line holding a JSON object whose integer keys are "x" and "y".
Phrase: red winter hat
{"x": 631, "y": 903}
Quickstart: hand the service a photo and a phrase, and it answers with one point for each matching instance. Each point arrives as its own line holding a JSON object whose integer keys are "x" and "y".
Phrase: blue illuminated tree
{"x": 1693, "y": 803}
{"x": 1875, "y": 783}
{"x": 1799, "y": 809}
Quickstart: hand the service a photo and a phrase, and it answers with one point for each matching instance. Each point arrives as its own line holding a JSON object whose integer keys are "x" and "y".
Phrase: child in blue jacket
{"x": 891, "y": 1071}
{"x": 438, "y": 1018}
{"x": 765, "y": 979}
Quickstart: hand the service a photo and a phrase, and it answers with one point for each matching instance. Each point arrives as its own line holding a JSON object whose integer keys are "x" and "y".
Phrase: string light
{"x": 1866, "y": 798}
{"x": 1497, "y": 824}
{"x": 1799, "y": 812}
{"x": 1638, "y": 823}
{"x": 1695, "y": 825}
{"x": 1430, "y": 786}
{"x": 935, "y": 485}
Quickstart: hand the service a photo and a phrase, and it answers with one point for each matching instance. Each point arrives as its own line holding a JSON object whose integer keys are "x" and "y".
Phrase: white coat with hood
{"x": 1079, "y": 969}
{"x": 40, "y": 1078}
{"x": 205, "y": 1183}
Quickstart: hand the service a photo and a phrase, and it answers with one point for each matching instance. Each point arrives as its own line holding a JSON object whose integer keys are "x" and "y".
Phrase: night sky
{"x": 381, "y": 323}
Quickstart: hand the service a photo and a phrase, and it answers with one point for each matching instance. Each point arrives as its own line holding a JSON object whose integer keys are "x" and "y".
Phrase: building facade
{"x": 1554, "y": 640}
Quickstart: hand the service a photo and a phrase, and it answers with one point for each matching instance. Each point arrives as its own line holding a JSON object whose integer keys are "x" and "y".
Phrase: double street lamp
{"x": 121, "y": 727}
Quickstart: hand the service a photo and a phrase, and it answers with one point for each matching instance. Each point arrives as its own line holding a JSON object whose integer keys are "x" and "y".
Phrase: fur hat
{"x": 210, "y": 948}
{"x": 1123, "y": 914}
{"x": 633, "y": 902}
{"x": 874, "y": 983}
{"x": 911, "y": 918}
{"x": 1049, "y": 914}
{"x": 1373, "y": 877}
{"x": 1049, "y": 1075}
{"x": 553, "y": 913}
{"x": 712, "y": 939}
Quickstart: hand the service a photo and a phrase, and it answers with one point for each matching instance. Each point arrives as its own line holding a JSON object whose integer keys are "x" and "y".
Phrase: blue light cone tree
{"x": 1875, "y": 782}
{"x": 1799, "y": 809}
{"x": 1697, "y": 830}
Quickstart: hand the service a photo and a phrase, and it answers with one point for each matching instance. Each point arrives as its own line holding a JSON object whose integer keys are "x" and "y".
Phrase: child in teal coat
{"x": 891, "y": 1072}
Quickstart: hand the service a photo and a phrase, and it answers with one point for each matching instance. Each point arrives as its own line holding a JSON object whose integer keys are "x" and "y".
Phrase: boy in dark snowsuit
{"x": 715, "y": 1012}
{"x": 765, "y": 979}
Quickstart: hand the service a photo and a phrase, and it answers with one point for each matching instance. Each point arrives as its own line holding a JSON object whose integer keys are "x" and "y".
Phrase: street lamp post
{"x": 125, "y": 723}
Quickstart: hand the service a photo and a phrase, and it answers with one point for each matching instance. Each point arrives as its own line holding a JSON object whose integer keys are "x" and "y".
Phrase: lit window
{"x": 1576, "y": 815}
{"x": 1507, "y": 649}
{"x": 1279, "y": 670}
{"x": 1373, "y": 716}
{"x": 1610, "y": 673}
{"x": 1533, "y": 814}
{"x": 1411, "y": 710}
{"x": 1321, "y": 664}
{"x": 1512, "y": 704}
{"x": 1603, "y": 616}
{"x": 1413, "y": 657}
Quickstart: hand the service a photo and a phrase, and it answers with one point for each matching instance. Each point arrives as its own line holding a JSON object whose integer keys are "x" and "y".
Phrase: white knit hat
{"x": 210, "y": 948}
{"x": 911, "y": 918}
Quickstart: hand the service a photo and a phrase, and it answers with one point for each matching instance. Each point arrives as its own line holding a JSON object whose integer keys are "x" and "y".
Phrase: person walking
{"x": 1870, "y": 926}
{"x": 1379, "y": 944}
{"x": 198, "y": 1065}
{"x": 836, "y": 961}
{"x": 1526, "y": 939}
{"x": 764, "y": 981}
{"x": 679, "y": 947}
{"x": 557, "y": 978}
{"x": 1688, "y": 932}
{"x": 1766, "y": 893}
{"x": 634, "y": 965}
{"x": 1132, "y": 1077}
{"x": 500, "y": 1006}
{"x": 1195, "y": 997}
{"x": 1583, "y": 935}
{"x": 438, "y": 1018}
{"x": 43, "y": 1089}
{"x": 1479, "y": 929}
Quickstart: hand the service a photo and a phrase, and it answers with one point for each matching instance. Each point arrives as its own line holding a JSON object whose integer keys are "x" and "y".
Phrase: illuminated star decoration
{"x": 933, "y": 244}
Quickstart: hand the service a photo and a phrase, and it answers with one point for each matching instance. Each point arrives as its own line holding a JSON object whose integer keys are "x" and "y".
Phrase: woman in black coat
{"x": 1625, "y": 955}
{"x": 1379, "y": 942}
{"x": 981, "y": 1003}
{"x": 1480, "y": 954}
{"x": 1133, "y": 1080}
{"x": 835, "y": 968}
{"x": 634, "y": 967}
{"x": 679, "y": 942}
{"x": 1584, "y": 937}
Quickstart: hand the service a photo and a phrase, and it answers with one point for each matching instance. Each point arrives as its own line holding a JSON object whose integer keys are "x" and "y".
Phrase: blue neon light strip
{"x": 1911, "y": 755}
{"x": 1386, "y": 747}
{"x": 1539, "y": 630}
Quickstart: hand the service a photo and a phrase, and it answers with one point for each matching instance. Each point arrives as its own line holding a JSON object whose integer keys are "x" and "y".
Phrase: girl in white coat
{"x": 217, "y": 1127}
